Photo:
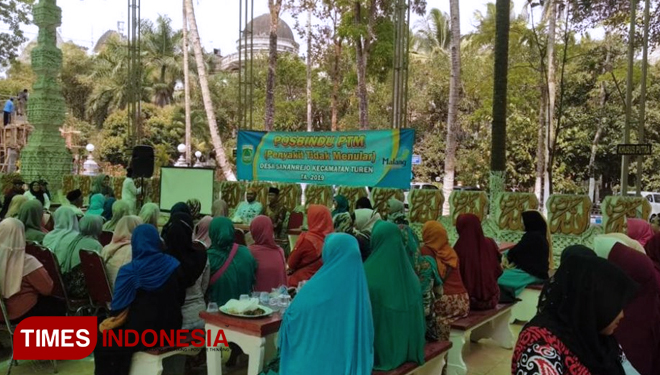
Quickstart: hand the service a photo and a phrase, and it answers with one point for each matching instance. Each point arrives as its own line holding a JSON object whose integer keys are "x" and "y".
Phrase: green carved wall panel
{"x": 232, "y": 193}
{"x": 352, "y": 193}
{"x": 290, "y": 195}
{"x": 380, "y": 196}
{"x": 468, "y": 202}
{"x": 511, "y": 207}
{"x": 318, "y": 194}
{"x": 425, "y": 205}
{"x": 616, "y": 209}
{"x": 569, "y": 214}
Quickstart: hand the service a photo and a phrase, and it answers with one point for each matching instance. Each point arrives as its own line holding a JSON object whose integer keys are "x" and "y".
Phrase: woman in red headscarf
{"x": 479, "y": 260}
{"x": 639, "y": 230}
{"x": 305, "y": 259}
{"x": 271, "y": 266}
{"x": 639, "y": 332}
{"x": 653, "y": 250}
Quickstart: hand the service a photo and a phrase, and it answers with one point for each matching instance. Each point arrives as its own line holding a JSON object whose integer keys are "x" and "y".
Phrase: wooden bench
{"x": 493, "y": 324}
{"x": 525, "y": 309}
{"x": 434, "y": 361}
{"x": 151, "y": 361}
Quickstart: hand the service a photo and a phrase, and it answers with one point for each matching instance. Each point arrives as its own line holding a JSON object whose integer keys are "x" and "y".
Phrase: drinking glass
{"x": 212, "y": 307}
{"x": 245, "y": 297}
{"x": 263, "y": 298}
{"x": 256, "y": 295}
{"x": 284, "y": 302}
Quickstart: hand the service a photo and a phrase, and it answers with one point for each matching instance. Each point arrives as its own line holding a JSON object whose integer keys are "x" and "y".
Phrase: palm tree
{"x": 498, "y": 142}
{"x": 433, "y": 34}
{"x": 274, "y": 6}
{"x": 162, "y": 52}
{"x": 111, "y": 81}
{"x": 454, "y": 97}
{"x": 186, "y": 87}
{"x": 221, "y": 157}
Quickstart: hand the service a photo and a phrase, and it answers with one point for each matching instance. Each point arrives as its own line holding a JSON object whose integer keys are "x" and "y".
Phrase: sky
{"x": 84, "y": 21}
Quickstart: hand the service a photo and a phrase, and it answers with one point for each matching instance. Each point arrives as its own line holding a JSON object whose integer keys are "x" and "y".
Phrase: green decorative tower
{"x": 46, "y": 156}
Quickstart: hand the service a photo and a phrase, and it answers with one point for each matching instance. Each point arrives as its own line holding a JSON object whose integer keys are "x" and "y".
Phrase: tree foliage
{"x": 13, "y": 14}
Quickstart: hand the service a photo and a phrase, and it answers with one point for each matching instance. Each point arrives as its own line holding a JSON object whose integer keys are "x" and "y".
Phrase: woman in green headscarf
{"x": 72, "y": 275}
{"x": 396, "y": 212}
{"x": 341, "y": 205}
{"x": 101, "y": 185}
{"x": 239, "y": 277}
{"x": 95, "y": 205}
{"x": 30, "y": 215}
{"x": 396, "y": 301}
{"x": 119, "y": 210}
{"x": 66, "y": 229}
{"x": 150, "y": 213}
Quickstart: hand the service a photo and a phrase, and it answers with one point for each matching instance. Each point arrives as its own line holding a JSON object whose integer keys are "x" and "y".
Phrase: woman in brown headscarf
{"x": 455, "y": 302}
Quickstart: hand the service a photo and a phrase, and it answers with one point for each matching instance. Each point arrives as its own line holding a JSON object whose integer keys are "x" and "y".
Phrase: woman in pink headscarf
{"x": 202, "y": 231}
{"x": 24, "y": 283}
{"x": 271, "y": 266}
{"x": 640, "y": 231}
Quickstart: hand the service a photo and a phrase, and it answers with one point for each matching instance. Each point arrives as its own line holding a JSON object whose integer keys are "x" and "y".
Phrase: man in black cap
{"x": 75, "y": 201}
{"x": 16, "y": 189}
{"x": 277, "y": 214}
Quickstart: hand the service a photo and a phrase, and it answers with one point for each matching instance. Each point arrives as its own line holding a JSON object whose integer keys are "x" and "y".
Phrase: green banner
{"x": 379, "y": 158}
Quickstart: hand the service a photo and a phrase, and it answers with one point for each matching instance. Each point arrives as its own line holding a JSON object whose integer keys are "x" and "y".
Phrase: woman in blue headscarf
{"x": 328, "y": 329}
{"x": 148, "y": 295}
{"x": 107, "y": 208}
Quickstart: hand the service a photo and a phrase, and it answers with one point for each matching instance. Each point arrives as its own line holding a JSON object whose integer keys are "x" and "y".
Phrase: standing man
{"x": 129, "y": 191}
{"x": 276, "y": 211}
{"x": 9, "y": 109}
{"x": 22, "y": 103}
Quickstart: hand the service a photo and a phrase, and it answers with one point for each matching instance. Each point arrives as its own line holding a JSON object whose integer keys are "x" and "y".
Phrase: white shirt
{"x": 30, "y": 197}
{"x": 129, "y": 193}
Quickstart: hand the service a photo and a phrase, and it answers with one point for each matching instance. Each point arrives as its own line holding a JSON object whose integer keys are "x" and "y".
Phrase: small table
{"x": 504, "y": 246}
{"x": 244, "y": 227}
{"x": 256, "y": 337}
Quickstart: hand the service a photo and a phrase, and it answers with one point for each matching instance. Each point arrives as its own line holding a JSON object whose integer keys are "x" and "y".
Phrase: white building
{"x": 286, "y": 42}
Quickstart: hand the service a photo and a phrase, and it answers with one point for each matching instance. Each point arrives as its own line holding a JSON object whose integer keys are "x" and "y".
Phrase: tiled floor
{"x": 484, "y": 358}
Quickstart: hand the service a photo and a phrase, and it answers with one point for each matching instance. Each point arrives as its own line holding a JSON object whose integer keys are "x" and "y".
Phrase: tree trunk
{"x": 186, "y": 84}
{"x": 361, "y": 60}
{"x": 454, "y": 97}
{"x": 309, "y": 71}
{"x": 552, "y": 92}
{"x": 500, "y": 76}
{"x": 540, "y": 146}
{"x": 336, "y": 77}
{"x": 599, "y": 132}
{"x": 221, "y": 157}
{"x": 274, "y": 7}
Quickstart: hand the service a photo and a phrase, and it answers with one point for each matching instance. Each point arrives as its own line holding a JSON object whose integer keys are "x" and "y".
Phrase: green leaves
{"x": 13, "y": 14}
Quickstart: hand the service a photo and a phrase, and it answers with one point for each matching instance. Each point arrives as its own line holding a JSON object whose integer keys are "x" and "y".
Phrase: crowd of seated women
{"x": 388, "y": 290}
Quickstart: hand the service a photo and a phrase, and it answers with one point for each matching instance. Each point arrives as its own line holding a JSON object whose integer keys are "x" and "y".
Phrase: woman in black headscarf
{"x": 36, "y": 192}
{"x": 528, "y": 262}
{"x": 178, "y": 208}
{"x": 579, "y": 311}
{"x": 194, "y": 264}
